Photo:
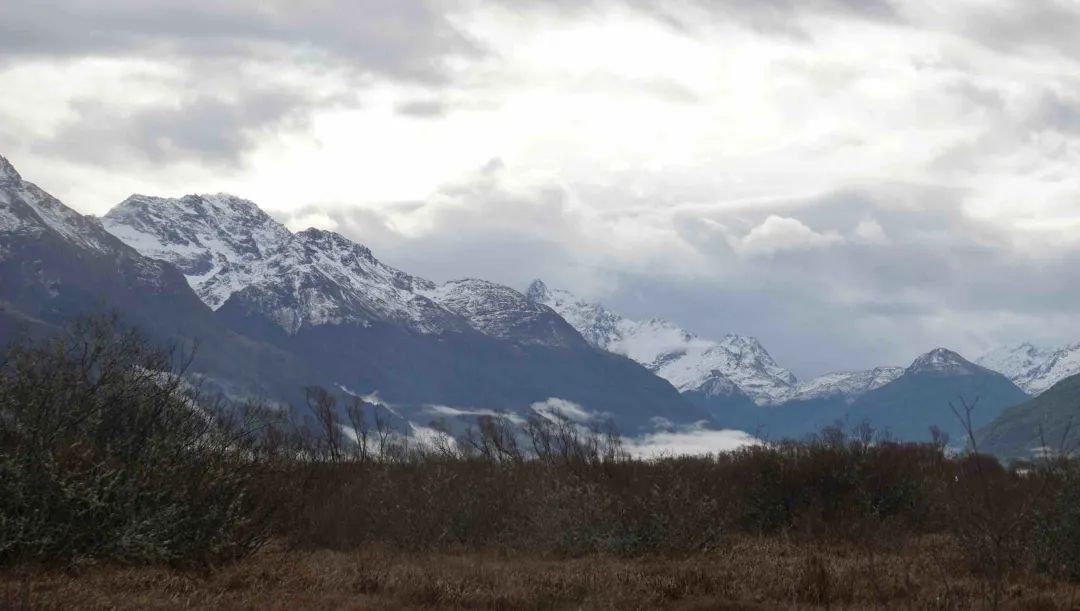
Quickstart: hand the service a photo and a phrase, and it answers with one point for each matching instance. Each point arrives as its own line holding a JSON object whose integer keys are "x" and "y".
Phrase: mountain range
{"x": 275, "y": 310}
{"x": 732, "y": 368}
{"x": 739, "y": 384}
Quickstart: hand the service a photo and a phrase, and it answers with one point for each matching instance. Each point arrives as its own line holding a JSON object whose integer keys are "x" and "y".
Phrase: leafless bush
{"x": 106, "y": 451}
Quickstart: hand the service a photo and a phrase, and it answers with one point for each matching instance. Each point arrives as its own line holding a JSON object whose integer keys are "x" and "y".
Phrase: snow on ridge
{"x": 220, "y": 242}
{"x": 500, "y": 311}
{"x": 26, "y": 208}
{"x": 846, "y": 383}
{"x": 943, "y": 360}
{"x": 1033, "y": 368}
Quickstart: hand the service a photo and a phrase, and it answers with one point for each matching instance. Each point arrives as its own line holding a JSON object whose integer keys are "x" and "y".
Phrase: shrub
{"x": 105, "y": 452}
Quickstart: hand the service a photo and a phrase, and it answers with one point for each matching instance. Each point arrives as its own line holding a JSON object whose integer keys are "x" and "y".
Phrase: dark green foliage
{"x": 104, "y": 453}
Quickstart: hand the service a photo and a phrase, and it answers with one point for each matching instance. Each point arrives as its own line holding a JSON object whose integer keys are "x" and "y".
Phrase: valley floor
{"x": 749, "y": 573}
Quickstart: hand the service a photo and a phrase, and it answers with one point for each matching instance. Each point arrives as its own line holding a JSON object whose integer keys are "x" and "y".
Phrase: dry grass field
{"x": 749, "y": 573}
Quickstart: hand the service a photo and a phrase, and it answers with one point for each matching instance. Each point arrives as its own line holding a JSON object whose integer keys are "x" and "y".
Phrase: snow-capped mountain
{"x": 56, "y": 264}
{"x": 220, "y": 242}
{"x": 942, "y": 361}
{"x": 1033, "y": 368}
{"x": 734, "y": 364}
{"x": 238, "y": 258}
{"x": 925, "y": 394}
{"x": 229, "y": 249}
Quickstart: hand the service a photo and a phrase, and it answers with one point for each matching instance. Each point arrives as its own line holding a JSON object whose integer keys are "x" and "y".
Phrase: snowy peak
{"x": 228, "y": 248}
{"x": 217, "y": 241}
{"x": 942, "y": 361}
{"x": 1033, "y": 368}
{"x": 7, "y": 171}
{"x": 538, "y": 292}
{"x": 596, "y": 324}
{"x": 734, "y": 365}
{"x": 751, "y": 353}
{"x": 1015, "y": 360}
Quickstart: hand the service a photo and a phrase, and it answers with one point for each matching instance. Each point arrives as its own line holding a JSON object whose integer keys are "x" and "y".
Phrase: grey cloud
{"x": 207, "y": 128}
{"x": 979, "y": 96}
{"x": 227, "y": 52}
{"x": 1030, "y": 25}
{"x": 401, "y": 39}
{"x": 779, "y": 17}
{"x": 1057, "y": 112}
{"x": 1007, "y": 129}
{"x": 422, "y": 108}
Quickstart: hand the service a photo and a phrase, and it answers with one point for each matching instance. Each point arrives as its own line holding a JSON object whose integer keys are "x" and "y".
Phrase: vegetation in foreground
{"x": 121, "y": 488}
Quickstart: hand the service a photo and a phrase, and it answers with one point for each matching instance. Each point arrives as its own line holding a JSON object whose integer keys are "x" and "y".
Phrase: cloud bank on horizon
{"x": 854, "y": 182}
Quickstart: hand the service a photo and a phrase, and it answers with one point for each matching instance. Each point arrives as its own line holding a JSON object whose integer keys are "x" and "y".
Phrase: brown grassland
{"x": 749, "y": 573}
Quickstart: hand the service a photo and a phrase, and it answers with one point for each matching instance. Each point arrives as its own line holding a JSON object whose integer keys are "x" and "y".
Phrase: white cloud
{"x": 445, "y": 410}
{"x": 556, "y": 410}
{"x": 870, "y": 231}
{"x": 779, "y": 234}
{"x": 690, "y": 441}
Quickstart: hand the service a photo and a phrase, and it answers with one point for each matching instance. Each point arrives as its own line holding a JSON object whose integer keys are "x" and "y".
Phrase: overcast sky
{"x": 854, "y": 182}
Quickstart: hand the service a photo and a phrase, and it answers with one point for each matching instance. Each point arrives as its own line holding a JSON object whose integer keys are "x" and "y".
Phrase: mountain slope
{"x": 374, "y": 329}
{"x": 1034, "y": 368}
{"x": 1049, "y": 422}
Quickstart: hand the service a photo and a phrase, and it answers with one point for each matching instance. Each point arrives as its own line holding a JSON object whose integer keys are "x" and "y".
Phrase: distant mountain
{"x": 920, "y": 398}
{"x": 1034, "y": 368}
{"x": 467, "y": 344}
{"x": 906, "y": 406}
{"x": 1047, "y": 423}
{"x": 735, "y": 366}
{"x": 734, "y": 379}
